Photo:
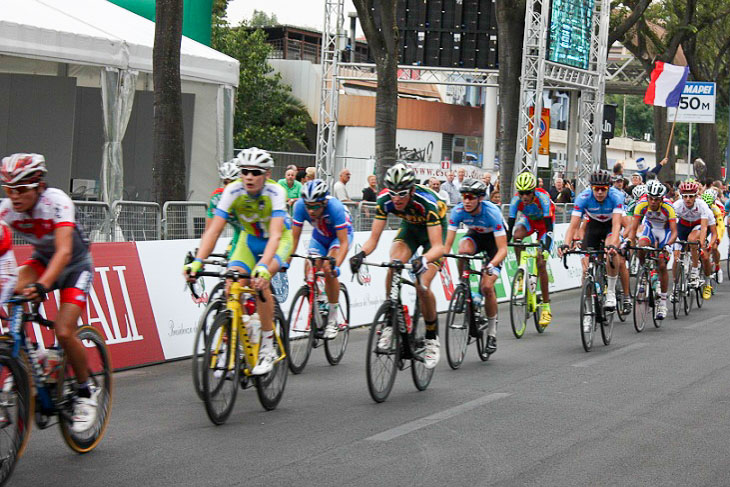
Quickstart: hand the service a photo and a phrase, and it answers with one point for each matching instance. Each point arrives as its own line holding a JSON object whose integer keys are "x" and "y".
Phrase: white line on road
{"x": 711, "y": 321}
{"x": 417, "y": 424}
{"x": 608, "y": 355}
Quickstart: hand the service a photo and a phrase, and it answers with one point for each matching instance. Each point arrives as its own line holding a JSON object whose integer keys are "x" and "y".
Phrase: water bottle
{"x": 533, "y": 283}
{"x": 322, "y": 294}
{"x": 407, "y": 317}
{"x": 52, "y": 361}
{"x": 654, "y": 279}
{"x": 477, "y": 299}
{"x": 253, "y": 328}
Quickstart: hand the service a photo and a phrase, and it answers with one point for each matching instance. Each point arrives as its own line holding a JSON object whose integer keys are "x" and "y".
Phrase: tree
{"x": 168, "y": 144}
{"x": 382, "y": 39}
{"x": 259, "y": 18}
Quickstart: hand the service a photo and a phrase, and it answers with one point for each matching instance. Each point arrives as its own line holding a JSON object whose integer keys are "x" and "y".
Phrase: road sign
{"x": 446, "y": 164}
{"x": 697, "y": 104}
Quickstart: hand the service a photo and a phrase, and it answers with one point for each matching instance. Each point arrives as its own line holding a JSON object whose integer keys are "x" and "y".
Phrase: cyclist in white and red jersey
{"x": 8, "y": 266}
{"x": 61, "y": 260}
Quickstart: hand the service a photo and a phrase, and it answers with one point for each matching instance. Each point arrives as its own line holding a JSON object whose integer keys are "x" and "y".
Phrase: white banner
{"x": 697, "y": 104}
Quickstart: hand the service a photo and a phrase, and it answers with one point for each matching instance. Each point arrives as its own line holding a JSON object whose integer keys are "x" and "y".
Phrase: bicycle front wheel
{"x": 100, "y": 376}
{"x": 16, "y": 412}
{"x": 677, "y": 292}
{"x": 620, "y": 294}
{"x": 222, "y": 364}
{"x": 641, "y": 301}
{"x": 607, "y": 325}
{"x": 456, "y": 332}
{"x": 206, "y": 321}
{"x": 381, "y": 365}
{"x": 301, "y": 333}
{"x": 518, "y": 303}
{"x": 698, "y": 293}
{"x": 421, "y": 374}
{"x": 270, "y": 387}
{"x": 587, "y": 315}
{"x": 334, "y": 349}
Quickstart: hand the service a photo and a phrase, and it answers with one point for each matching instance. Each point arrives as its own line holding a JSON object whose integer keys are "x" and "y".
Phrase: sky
{"x": 304, "y": 13}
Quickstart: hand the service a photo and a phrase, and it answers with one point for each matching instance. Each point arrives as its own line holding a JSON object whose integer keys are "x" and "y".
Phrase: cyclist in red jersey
{"x": 61, "y": 260}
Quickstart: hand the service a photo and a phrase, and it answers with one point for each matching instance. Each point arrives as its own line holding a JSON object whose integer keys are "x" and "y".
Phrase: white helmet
{"x": 28, "y": 168}
{"x": 655, "y": 188}
{"x": 254, "y": 157}
{"x": 315, "y": 190}
{"x": 229, "y": 170}
{"x": 639, "y": 191}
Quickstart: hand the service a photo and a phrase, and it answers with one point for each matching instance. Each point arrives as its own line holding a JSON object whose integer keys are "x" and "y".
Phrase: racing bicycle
{"x": 524, "y": 298}
{"x": 647, "y": 289}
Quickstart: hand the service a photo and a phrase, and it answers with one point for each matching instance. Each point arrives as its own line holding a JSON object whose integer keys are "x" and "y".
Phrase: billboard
{"x": 569, "y": 40}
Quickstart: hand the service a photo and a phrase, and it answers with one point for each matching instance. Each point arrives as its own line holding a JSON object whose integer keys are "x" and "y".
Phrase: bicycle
{"x": 231, "y": 352}
{"x": 308, "y": 317}
{"x": 473, "y": 327}
{"x": 406, "y": 344}
{"x": 592, "y": 299}
{"x": 524, "y": 299}
{"x": 681, "y": 290}
{"x": 646, "y": 292}
{"x": 41, "y": 384}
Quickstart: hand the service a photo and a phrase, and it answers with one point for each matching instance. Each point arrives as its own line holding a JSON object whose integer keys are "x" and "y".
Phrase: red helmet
{"x": 689, "y": 187}
{"x": 23, "y": 168}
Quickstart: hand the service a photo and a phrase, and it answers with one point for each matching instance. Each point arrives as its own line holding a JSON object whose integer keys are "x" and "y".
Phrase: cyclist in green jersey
{"x": 424, "y": 225}
{"x": 228, "y": 172}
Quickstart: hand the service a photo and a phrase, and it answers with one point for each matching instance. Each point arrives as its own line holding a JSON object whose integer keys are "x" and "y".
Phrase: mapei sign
{"x": 697, "y": 104}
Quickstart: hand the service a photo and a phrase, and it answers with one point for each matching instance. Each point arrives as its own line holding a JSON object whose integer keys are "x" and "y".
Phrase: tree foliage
{"x": 259, "y": 18}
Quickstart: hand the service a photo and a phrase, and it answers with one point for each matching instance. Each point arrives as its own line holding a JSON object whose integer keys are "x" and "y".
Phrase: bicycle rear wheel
{"x": 419, "y": 372}
{"x": 607, "y": 325}
{"x": 334, "y": 349}
{"x": 677, "y": 292}
{"x": 457, "y": 327}
{"x": 620, "y": 310}
{"x": 16, "y": 412}
{"x": 518, "y": 303}
{"x": 301, "y": 332}
{"x": 201, "y": 334}
{"x": 641, "y": 301}
{"x": 100, "y": 375}
{"x": 381, "y": 365}
{"x": 698, "y": 293}
{"x": 270, "y": 387}
{"x": 222, "y": 367}
{"x": 587, "y": 315}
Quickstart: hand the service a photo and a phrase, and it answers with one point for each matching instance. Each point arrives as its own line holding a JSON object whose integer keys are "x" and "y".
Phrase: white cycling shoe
{"x": 432, "y": 353}
{"x": 85, "y": 411}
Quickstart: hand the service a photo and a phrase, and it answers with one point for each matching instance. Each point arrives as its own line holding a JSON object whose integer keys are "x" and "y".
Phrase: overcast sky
{"x": 305, "y": 13}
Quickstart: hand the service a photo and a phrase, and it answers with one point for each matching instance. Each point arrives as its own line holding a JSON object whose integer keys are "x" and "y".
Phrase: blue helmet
{"x": 315, "y": 190}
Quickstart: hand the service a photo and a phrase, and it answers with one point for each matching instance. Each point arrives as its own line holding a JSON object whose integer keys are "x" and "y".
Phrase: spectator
{"x": 644, "y": 170}
{"x": 301, "y": 174}
{"x": 540, "y": 183}
{"x": 371, "y": 192}
{"x": 435, "y": 185}
{"x": 460, "y": 173}
{"x": 292, "y": 167}
{"x": 339, "y": 189}
{"x": 618, "y": 183}
{"x": 496, "y": 197}
{"x": 450, "y": 188}
{"x": 291, "y": 185}
{"x": 310, "y": 174}
{"x": 555, "y": 190}
{"x": 488, "y": 182}
{"x": 566, "y": 194}
{"x": 618, "y": 169}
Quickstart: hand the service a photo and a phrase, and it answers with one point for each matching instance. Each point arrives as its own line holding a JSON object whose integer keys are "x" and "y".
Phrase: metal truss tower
{"x": 333, "y": 36}
{"x": 539, "y": 74}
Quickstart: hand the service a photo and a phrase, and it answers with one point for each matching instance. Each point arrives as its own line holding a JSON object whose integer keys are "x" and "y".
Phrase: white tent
{"x": 106, "y": 46}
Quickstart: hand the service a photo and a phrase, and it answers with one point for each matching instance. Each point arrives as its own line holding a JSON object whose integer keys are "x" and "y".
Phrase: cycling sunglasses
{"x": 525, "y": 193}
{"x": 19, "y": 188}
{"x": 314, "y": 207}
{"x": 254, "y": 171}
{"x": 400, "y": 194}
{"x": 469, "y": 196}
{"x": 600, "y": 188}
{"x": 689, "y": 196}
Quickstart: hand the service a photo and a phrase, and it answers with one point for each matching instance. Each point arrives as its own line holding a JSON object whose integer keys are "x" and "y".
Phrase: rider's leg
{"x": 428, "y": 301}
{"x": 490, "y": 306}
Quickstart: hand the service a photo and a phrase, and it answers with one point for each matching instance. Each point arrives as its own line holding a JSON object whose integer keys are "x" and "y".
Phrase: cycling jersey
{"x": 719, "y": 220}
{"x": 8, "y": 266}
{"x": 689, "y": 217}
{"x": 540, "y": 207}
{"x": 587, "y": 204}
{"x": 335, "y": 216}
{"x": 488, "y": 219}
{"x": 657, "y": 219}
{"x": 424, "y": 208}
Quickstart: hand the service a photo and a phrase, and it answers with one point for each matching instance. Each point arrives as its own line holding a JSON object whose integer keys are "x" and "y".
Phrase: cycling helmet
{"x": 474, "y": 186}
{"x": 23, "y": 168}
{"x": 315, "y": 190}
{"x": 229, "y": 170}
{"x": 525, "y": 181}
{"x": 655, "y": 188}
{"x": 689, "y": 187}
{"x": 639, "y": 191}
{"x": 709, "y": 197}
{"x": 254, "y": 157}
{"x": 400, "y": 177}
{"x": 600, "y": 178}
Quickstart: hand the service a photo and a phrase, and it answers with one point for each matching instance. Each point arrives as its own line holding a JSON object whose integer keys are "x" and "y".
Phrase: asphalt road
{"x": 650, "y": 409}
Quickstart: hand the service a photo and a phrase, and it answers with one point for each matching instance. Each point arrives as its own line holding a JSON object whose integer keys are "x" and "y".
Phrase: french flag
{"x": 667, "y": 84}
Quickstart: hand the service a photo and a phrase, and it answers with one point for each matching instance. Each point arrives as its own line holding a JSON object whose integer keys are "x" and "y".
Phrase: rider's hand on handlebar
{"x": 260, "y": 277}
{"x": 35, "y": 291}
{"x": 190, "y": 270}
{"x": 420, "y": 265}
{"x": 356, "y": 261}
{"x": 562, "y": 250}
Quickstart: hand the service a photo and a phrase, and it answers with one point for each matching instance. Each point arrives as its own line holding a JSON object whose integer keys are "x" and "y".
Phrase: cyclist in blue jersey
{"x": 486, "y": 233}
{"x": 332, "y": 236}
{"x": 604, "y": 207}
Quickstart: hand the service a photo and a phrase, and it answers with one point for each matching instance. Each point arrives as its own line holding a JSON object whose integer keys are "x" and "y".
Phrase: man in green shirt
{"x": 291, "y": 186}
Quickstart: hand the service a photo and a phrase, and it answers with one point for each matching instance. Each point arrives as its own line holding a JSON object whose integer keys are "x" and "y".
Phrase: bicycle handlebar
{"x": 226, "y": 274}
{"x": 523, "y": 245}
{"x": 393, "y": 264}
{"x": 588, "y": 252}
{"x": 466, "y": 256}
{"x": 315, "y": 258}
{"x": 34, "y": 314}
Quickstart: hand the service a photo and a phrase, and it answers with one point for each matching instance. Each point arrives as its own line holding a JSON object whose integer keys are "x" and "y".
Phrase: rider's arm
{"x": 615, "y": 230}
{"x": 63, "y": 237}
{"x": 703, "y": 231}
{"x": 713, "y": 235}
{"x": 510, "y": 225}
{"x": 375, "y": 232}
{"x": 435, "y": 237}
{"x": 572, "y": 227}
{"x": 673, "y": 230}
{"x": 549, "y": 231}
{"x": 276, "y": 228}
{"x": 634, "y": 227}
{"x": 450, "y": 237}
{"x": 296, "y": 232}
{"x": 501, "y": 254}
{"x": 344, "y": 246}
{"x": 299, "y": 216}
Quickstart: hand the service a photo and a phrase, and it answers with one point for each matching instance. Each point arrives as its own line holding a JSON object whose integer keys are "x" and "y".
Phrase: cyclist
{"x": 538, "y": 215}
{"x": 710, "y": 197}
{"x": 659, "y": 220}
{"x": 228, "y": 172}
{"x": 61, "y": 260}
{"x": 486, "y": 233}
{"x": 423, "y": 225}
{"x": 694, "y": 217}
{"x": 259, "y": 206}
{"x": 604, "y": 207}
{"x": 332, "y": 236}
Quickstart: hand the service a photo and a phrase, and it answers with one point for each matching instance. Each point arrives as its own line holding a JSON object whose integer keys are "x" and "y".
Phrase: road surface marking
{"x": 608, "y": 355}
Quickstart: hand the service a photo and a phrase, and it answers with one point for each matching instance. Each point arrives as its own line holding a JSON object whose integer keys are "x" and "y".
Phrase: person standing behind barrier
{"x": 339, "y": 189}
{"x": 451, "y": 189}
{"x": 435, "y": 185}
{"x": 460, "y": 175}
{"x": 370, "y": 193}
{"x": 292, "y": 187}
{"x": 488, "y": 181}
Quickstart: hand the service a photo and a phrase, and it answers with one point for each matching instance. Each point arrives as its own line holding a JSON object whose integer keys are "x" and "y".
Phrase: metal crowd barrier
{"x": 94, "y": 217}
{"x": 184, "y": 219}
{"x": 135, "y": 221}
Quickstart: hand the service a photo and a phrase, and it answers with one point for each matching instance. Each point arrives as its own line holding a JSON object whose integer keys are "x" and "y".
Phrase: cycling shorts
{"x": 483, "y": 242}
{"x": 532, "y": 226}
{"x": 249, "y": 249}
{"x": 74, "y": 281}
{"x": 596, "y": 233}
{"x": 658, "y": 237}
{"x": 683, "y": 231}
{"x": 415, "y": 236}
{"x": 321, "y": 245}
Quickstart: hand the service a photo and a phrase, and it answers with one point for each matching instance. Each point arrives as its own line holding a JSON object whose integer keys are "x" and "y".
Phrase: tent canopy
{"x": 97, "y": 32}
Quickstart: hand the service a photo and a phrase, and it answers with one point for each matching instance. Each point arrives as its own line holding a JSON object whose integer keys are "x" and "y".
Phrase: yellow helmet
{"x": 525, "y": 181}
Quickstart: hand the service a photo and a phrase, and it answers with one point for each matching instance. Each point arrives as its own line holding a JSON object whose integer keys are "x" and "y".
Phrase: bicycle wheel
{"x": 518, "y": 303}
{"x": 641, "y": 301}
{"x": 677, "y": 292}
{"x": 456, "y": 332}
{"x": 698, "y": 294}
{"x": 334, "y": 349}
{"x": 620, "y": 310}
{"x": 382, "y": 365}
{"x": 301, "y": 333}
{"x": 587, "y": 315}
{"x": 654, "y": 302}
{"x": 419, "y": 372}
{"x": 222, "y": 366}
{"x": 16, "y": 412}
{"x": 201, "y": 334}
{"x": 607, "y": 325}
{"x": 481, "y": 343}
{"x": 270, "y": 387}
{"x": 100, "y": 375}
